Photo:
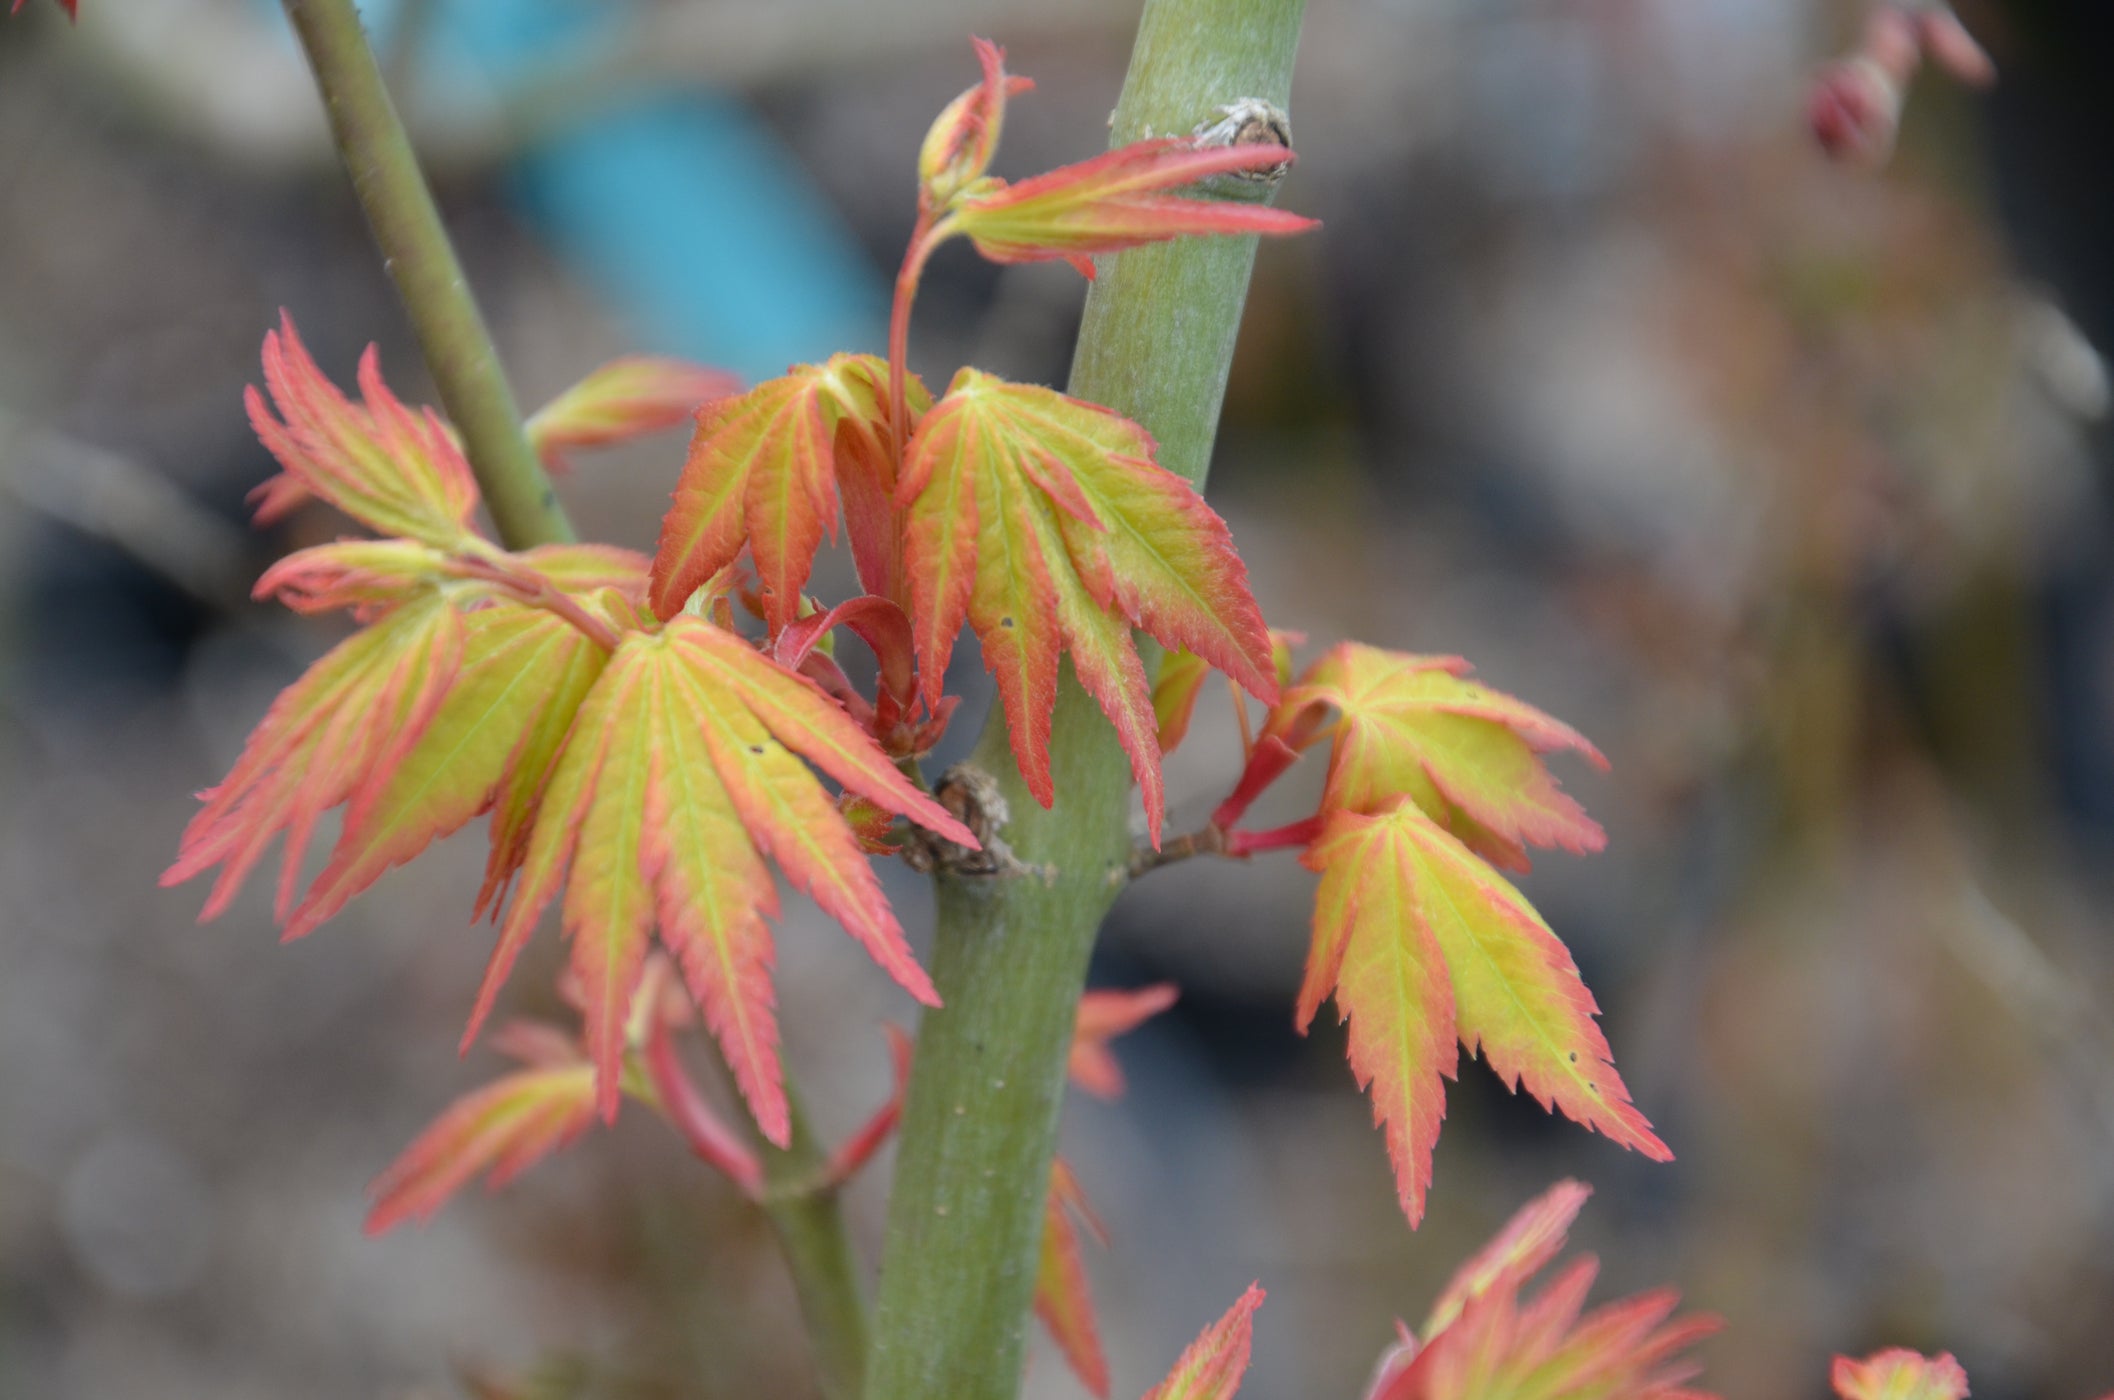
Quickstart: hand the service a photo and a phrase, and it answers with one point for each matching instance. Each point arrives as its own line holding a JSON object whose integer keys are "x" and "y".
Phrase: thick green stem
{"x": 421, "y": 261}
{"x": 980, "y": 1125}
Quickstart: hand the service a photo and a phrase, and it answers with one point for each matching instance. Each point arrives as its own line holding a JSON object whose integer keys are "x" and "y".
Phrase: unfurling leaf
{"x": 1044, "y": 522}
{"x": 354, "y": 715}
{"x": 1102, "y": 1016}
{"x": 395, "y": 471}
{"x": 625, "y": 399}
{"x": 1421, "y": 942}
{"x": 1899, "y": 1374}
{"x": 958, "y": 147}
{"x": 1469, "y": 756}
{"x": 679, "y": 776}
{"x": 504, "y": 1129}
{"x": 1213, "y": 1366}
{"x": 1484, "y": 1342}
{"x": 1116, "y": 200}
{"x": 765, "y": 468}
{"x": 1063, "y": 1300}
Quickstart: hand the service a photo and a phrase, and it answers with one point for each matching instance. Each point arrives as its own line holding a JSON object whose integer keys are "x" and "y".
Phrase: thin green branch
{"x": 422, "y": 262}
{"x": 802, "y": 1202}
{"x": 980, "y": 1124}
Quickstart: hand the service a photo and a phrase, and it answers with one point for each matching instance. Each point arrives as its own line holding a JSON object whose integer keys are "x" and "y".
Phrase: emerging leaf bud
{"x": 959, "y": 147}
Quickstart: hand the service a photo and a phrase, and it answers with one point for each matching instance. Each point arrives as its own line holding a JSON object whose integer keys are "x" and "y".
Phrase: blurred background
{"x": 1787, "y": 484}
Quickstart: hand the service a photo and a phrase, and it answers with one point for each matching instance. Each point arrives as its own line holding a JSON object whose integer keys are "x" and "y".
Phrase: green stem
{"x": 805, "y": 1211}
{"x": 980, "y": 1125}
{"x": 421, "y": 261}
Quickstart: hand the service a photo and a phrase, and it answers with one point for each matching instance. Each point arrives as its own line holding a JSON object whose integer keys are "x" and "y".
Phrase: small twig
{"x": 1208, "y": 840}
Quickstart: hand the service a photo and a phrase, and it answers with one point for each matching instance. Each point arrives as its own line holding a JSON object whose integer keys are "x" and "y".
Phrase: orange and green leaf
{"x": 523, "y": 674}
{"x": 762, "y": 471}
{"x": 502, "y": 1129}
{"x": 1422, "y": 943}
{"x": 625, "y": 399}
{"x": 1063, "y": 1300}
{"x": 1484, "y": 1342}
{"x": 1471, "y": 757}
{"x": 1116, "y": 200}
{"x": 1212, "y": 1367}
{"x": 1899, "y": 1374}
{"x": 395, "y": 471}
{"x": 679, "y": 776}
{"x": 351, "y": 717}
{"x": 1044, "y": 523}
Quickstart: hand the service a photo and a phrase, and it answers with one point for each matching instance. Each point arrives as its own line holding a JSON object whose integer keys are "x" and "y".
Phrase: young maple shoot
{"x": 645, "y": 762}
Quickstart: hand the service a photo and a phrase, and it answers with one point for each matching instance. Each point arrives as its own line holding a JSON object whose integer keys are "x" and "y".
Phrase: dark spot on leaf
{"x": 758, "y": 748}
{"x": 1005, "y": 622}
{"x": 1574, "y": 1057}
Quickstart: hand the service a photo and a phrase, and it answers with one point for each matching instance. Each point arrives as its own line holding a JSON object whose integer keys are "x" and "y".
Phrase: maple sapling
{"x": 647, "y": 756}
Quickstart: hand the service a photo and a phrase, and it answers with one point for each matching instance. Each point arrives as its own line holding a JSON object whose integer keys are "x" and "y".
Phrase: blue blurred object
{"x": 680, "y": 208}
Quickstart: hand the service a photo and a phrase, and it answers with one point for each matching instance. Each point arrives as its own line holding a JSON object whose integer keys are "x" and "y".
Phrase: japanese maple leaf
{"x": 395, "y": 471}
{"x": 487, "y": 747}
{"x": 1212, "y": 1367}
{"x": 502, "y": 1129}
{"x": 1045, "y": 523}
{"x": 1899, "y": 1374}
{"x": 1470, "y": 757}
{"x": 765, "y": 469}
{"x": 678, "y": 777}
{"x": 1422, "y": 943}
{"x": 355, "y": 713}
{"x": 627, "y": 398}
{"x": 1484, "y": 1342}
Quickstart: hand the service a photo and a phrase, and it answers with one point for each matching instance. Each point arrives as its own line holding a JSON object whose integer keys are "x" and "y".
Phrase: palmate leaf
{"x": 523, "y": 673}
{"x": 502, "y": 1129}
{"x": 1044, "y": 523}
{"x": 1484, "y": 1342}
{"x": 1212, "y": 1367}
{"x": 625, "y": 399}
{"x": 1899, "y": 1374}
{"x": 765, "y": 469}
{"x": 678, "y": 777}
{"x": 1470, "y": 756}
{"x": 354, "y": 714}
{"x": 1422, "y": 943}
{"x": 396, "y": 471}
